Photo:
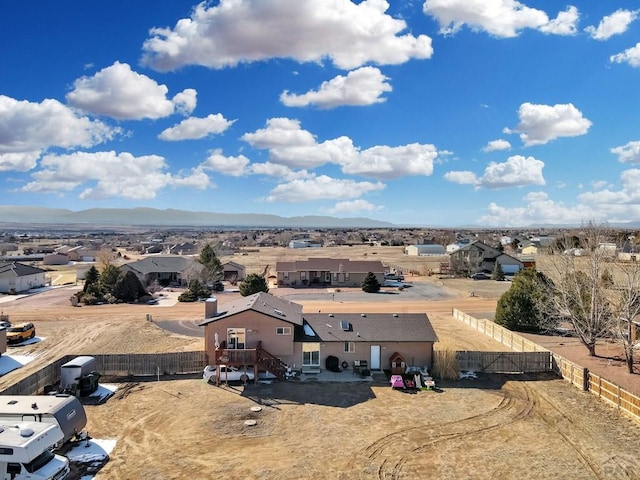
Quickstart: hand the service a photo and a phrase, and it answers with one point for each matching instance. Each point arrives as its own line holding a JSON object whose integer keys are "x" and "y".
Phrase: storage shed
{"x": 426, "y": 249}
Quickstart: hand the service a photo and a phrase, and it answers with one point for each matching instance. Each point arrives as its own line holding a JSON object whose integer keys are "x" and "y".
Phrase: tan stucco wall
{"x": 259, "y": 327}
{"x": 414, "y": 353}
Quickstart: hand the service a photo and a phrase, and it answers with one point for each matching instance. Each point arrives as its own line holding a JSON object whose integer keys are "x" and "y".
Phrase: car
{"x": 228, "y": 374}
{"x": 480, "y": 276}
{"x": 393, "y": 276}
{"x": 20, "y": 332}
{"x": 5, "y": 324}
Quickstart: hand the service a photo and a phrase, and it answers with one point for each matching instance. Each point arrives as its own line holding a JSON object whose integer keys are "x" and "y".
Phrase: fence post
{"x": 585, "y": 380}
{"x": 618, "y": 395}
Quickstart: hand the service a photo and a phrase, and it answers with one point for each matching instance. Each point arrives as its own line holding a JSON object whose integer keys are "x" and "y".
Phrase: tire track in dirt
{"x": 392, "y": 451}
{"x": 555, "y": 426}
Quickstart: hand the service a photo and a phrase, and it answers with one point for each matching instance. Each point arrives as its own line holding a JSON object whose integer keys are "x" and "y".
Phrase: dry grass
{"x": 445, "y": 364}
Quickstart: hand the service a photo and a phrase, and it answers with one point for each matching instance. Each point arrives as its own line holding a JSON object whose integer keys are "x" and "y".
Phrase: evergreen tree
{"x": 212, "y": 270}
{"x": 128, "y": 288}
{"x": 498, "y": 272}
{"x": 520, "y": 307}
{"x": 108, "y": 278}
{"x": 370, "y": 284}
{"x": 91, "y": 278}
{"x": 253, "y": 283}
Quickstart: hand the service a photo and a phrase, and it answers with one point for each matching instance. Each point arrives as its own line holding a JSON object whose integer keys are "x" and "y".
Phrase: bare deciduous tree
{"x": 626, "y": 305}
{"x": 578, "y": 293}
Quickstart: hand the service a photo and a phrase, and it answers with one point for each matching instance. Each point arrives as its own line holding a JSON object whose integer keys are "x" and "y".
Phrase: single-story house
{"x": 233, "y": 271}
{"x": 17, "y": 277}
{"x": 327, "y": 271}
{"x": 55, "y": 259}
{"x": 424, "y": 249}
{"x": 165, "y": 269}
{"x": 480, "y": 257}
{"x": 77, "y": 253}
{"x": 262, "y": 327}
{"x": 185, "y": 248}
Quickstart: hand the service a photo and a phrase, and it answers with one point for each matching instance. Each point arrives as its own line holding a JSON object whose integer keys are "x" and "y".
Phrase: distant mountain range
{"x": 25, "y": 216}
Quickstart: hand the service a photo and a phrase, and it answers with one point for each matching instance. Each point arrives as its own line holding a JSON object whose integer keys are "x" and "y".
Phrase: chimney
{"x": 210, "y": 307}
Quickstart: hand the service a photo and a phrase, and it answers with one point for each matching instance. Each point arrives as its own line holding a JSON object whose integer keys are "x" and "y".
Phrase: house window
{"x": 236, "y": 338}
{"x": 346, "y": 276}
{"x": 283, "y": 330}
{"x": 310, "y": 354}
{"x": 303, "y": 275}
{"x": 286, "y": 275}
{"x": 349, "y": 347}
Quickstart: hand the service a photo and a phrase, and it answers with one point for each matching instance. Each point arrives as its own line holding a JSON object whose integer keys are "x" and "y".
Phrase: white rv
{"x": 25, "y": 452}
{"x": 65, "y": 411}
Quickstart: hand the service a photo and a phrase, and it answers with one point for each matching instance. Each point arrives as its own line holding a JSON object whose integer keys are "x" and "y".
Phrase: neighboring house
{"x": 271, "y": 333}
{"x": 184, "y": 248}
{"x": 233, "y": 271}
{"x": 55, "y": 259}
{"x": 452, "y": 247}
{"x": 77, "y": 253}
{"x": 528, "y": 247}
{"x": 165, "y": 269}
{"x": 478, "y": 257}
{"x": 327, "y": 271}
{"x": 424, "y": 249}
{"x": 17, "y": 277}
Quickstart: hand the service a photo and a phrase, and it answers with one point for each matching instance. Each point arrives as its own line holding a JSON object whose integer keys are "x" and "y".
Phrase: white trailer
{"x": 25, "y": 452}
{"x": 79, "y": 376}
{"x": 65, "y": 411}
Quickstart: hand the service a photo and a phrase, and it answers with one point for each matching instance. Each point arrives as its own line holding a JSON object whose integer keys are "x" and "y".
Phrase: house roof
{"x": 372, "y": 327}
{"x": 159, "y": 263}
{"x": 264, "y": 303}
{"x": 233, "y": 265}
{"x": 331, "y": 265}
{"x": 16, "y": 269}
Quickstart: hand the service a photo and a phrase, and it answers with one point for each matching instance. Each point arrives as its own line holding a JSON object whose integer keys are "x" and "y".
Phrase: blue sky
{"x": 427, "y": 113}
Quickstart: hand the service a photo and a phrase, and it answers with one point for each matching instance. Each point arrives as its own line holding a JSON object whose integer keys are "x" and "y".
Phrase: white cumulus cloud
{"x": 185, "y": 102}
{"x": 495, "y": 145}
{"x": 354, "y": 206}
{"x": 290, "y": 145}
{"x": 321, "y": 187}
{"x": 119, "y": 92}
{"x": 364, "y": 86}
{"x": 539, "y": 124}
{"x": 630, "y": 56}
{"x": 629, "y": 153}
{"x": 384, "y": 162}
{"x": 615, "y": 24}
{"x": 109, "y": 174}
{"x": 500, "y": 18}
{"x": 194, "y": 128}
{"x": 517, "y": 171}
{"x": 232, "y": 166}
{"x": 234, "y": 31}
{"x": 28, "y": 128}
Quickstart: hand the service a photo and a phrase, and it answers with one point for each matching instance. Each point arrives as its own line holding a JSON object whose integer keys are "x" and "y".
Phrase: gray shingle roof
{"x": 333, "y": 265}
{"x": 373, "y": 327}
{"x": 16, "y": 269}
{"x": 263, "y": 303}
{"x": 160, "y": 264}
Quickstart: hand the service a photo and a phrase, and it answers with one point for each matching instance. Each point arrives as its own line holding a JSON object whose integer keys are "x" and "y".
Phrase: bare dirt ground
{"x": 492, "y": 427}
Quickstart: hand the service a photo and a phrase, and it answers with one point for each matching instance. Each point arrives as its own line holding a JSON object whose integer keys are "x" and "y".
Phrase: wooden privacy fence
{"x": 504, "y": 362}
{"x": 570, "y": 371}
{"x": 117, "y": 365}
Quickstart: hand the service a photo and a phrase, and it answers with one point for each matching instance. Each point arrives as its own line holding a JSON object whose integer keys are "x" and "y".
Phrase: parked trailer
{"x": 62, "y": 410}
{"x": 79, "y": 376}
{"x": 25, "y": 452}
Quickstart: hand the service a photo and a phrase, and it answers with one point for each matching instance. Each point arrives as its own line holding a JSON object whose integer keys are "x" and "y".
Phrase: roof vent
{"x": 331, "y": 314}
{"x": 26, "y": 432}
{"x": 363, "y": 314}
{"x": 278, "y": 312}
{"x": 395, "y": 314}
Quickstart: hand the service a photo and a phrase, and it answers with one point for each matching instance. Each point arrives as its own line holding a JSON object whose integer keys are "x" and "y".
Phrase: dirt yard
{"x": 498, "y": 426}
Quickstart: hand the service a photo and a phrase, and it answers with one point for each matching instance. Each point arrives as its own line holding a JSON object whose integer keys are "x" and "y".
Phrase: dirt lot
{"x": 486, "y": 428}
